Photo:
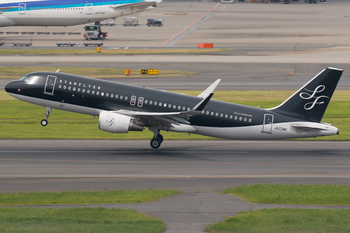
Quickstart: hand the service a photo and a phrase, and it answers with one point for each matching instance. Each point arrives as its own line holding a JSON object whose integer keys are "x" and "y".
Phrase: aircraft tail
{"x": 310, "y": 101}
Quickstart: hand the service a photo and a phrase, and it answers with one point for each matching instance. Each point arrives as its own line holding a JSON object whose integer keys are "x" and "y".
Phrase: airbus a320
{"x": 122, "y": 108}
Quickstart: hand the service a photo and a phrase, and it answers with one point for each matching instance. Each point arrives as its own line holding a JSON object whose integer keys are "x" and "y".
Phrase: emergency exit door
{"x": 50, "y": 85}
{"x": 268, "y": 123}
{"x": 88, "y": 8}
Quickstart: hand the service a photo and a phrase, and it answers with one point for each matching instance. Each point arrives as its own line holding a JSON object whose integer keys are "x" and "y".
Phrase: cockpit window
{"x": 30, "y": 79}
{"x": 24, "y": 77}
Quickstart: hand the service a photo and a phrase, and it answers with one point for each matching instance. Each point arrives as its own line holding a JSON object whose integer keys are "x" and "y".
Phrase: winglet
{"x": 201, "y": 105}
{"x": 209, "y": 90}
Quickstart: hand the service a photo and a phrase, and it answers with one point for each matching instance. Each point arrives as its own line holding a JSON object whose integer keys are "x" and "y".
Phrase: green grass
{"x": 286, "y": 221}
{"x": 18, "y": 72}
{"x": 85, "y": 220}
{"x": 22, "y": 120}
{"x": 293, "y": 194}
{"x": 84, "y": 197}
{"x": 107, "y": 51}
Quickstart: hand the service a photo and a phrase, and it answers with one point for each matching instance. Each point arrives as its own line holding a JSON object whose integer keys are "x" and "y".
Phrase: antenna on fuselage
{"x": 58, "y": 71}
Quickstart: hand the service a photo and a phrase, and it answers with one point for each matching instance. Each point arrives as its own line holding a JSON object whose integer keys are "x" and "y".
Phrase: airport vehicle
{"x": 108, "y": 22}
{"x": 227, "y": 1}
{"x": 67, "y": 12}
{"x": 154, "y": 22}
{"x": 122, "y": 108}
{"x": 94, "y": 33}
{"x": 130, "y": 21}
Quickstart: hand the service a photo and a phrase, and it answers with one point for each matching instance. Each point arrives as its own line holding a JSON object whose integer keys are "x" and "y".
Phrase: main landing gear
{"x": 44, "y": 122}
{"x": 156, "y": 141}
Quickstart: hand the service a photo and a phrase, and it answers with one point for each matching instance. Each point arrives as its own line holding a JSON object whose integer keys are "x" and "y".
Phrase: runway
{"x": 237, "y": 76}
{"x": 191, "y": 166}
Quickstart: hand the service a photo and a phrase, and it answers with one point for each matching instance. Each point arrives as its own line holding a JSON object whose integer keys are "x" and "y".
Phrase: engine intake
{"x": 117, "y": 123}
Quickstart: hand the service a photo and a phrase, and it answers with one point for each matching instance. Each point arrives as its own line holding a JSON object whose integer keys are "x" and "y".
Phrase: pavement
{"x": 193, "y": 212}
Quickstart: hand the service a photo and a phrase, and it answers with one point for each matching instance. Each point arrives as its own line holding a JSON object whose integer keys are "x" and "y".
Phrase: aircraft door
{"x": 88, "y": 8}
{"x": 268, "y": 123}
{"x": 22, "y": 8}
{"x": 50, "y": 85}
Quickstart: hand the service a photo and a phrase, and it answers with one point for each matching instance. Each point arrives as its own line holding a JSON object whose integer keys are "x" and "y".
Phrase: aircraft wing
{"x": 139, "y": 5}
{"x": 7, "y": 8}
{"x": 180, "y": 120}
{"x": 167, "y": 118}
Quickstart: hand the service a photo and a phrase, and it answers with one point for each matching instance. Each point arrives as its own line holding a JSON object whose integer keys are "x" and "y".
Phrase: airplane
{"x": 67, "y": 12}
{"x": 122, "y": 108}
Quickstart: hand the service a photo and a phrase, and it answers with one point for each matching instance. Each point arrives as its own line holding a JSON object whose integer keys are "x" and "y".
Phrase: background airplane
{"x": 67, "y": 12}
{"x": 122, "y": 108}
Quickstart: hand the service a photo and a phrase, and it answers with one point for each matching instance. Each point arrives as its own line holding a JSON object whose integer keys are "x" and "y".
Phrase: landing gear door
{"x": 50, "y": 85}
{"x": 268, "y": 123}
{"x": 88, "y": 8}
{"x": 22, "y": 8}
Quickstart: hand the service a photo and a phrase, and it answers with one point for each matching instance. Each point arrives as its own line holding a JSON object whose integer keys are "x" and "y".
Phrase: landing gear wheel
{"x": 160, "y": 138}
{"x": 155, "y": 143}
{"x": 44, "y": 122}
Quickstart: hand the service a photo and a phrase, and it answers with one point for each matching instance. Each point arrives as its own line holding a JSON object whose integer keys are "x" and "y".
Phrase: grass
{"x": 107, "y": 51}
{"x": 22, "y": 120}
{"x": 84, "y": 197}
{"x": 286, "y": 221}
{"x": 30, "y": 220}
{"x": 293, "y": 194}
{"x": 17, "y": 72}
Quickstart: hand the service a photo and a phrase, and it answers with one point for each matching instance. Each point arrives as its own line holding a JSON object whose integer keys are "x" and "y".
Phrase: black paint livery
{"x": 122, "y": 108}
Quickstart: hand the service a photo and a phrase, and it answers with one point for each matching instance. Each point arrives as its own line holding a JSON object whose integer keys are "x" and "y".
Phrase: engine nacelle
{"x": 117, "y": 123}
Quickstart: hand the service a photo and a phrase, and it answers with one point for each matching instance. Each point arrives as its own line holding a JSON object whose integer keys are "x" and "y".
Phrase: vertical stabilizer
{"x": 310, "y": 101}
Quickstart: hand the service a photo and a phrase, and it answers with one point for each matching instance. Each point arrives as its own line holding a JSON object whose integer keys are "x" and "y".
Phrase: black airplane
{"x": 122, "y": 107}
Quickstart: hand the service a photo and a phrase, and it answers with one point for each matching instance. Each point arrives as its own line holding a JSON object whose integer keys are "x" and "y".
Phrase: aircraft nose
{"x": 11, "y": 87}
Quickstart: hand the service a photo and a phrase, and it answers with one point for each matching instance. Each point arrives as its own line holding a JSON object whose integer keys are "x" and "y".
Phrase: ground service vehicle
{"x": 130, "y": 21}
{"x": 94, "y": 33}
{"x": 108, "y": 22}
{"x": 154, "y": 22}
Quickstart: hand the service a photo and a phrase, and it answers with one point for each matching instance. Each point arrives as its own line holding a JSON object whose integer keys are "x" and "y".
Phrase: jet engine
{"x": 117, "y": 123}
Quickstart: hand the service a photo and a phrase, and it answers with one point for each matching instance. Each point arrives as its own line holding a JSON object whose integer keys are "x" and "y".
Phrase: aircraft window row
{"x": 141, "y": 101}
{"x": 245, "y": 119}
{"x": 93, "y": 92}
{"x": 56, "y": 8}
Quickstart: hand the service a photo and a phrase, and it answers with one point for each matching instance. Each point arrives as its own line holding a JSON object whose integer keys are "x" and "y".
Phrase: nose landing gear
{"x": 44, "y": 122}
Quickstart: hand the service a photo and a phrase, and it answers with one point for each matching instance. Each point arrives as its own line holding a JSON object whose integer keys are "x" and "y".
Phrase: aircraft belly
{"x": 58, "y": 105}
{"x": 5, "y": 22}
{"x": 279, "y": 131}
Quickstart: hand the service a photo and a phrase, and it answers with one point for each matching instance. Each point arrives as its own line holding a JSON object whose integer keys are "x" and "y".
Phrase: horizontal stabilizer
{"x": 310, "y": 126}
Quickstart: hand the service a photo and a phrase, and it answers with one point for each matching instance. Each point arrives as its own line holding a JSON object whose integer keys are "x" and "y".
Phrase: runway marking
{"x": 173, "y": 37}
{"x": 183, "y": 35}
{"x": 184, "y": 177}
{"x": 190, "y": 163}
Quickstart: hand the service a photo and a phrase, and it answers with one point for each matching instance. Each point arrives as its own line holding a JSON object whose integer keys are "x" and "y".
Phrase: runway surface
{"x": 53, "y": 165}
{"x": 197, "y": 168}
{"x": 236, "y": 76}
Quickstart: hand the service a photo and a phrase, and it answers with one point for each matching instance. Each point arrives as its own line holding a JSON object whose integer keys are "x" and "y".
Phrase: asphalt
{"x": 275, "y": 47}
{"x": 198, "y": 168}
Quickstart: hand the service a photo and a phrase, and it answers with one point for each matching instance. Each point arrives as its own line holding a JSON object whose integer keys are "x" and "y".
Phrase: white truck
{"x": 94, "y": 33}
